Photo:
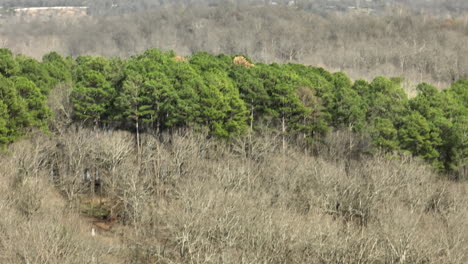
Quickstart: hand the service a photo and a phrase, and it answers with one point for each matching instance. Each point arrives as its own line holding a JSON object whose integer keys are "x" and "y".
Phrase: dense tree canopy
{"x": 160, "y": 91}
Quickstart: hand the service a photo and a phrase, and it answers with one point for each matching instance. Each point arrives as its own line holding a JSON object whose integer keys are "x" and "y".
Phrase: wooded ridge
{"x": 231, "y": 96}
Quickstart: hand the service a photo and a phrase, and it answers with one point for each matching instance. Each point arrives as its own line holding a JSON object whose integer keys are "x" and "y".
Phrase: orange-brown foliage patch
{"x": 239, "y": 60}
{"x": 179, "y": 59}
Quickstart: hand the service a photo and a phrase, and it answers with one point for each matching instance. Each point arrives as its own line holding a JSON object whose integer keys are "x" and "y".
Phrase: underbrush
{"x": 188, "y": 199}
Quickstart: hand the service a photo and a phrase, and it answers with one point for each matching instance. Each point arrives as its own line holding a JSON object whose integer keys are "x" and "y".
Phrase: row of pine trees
{"x": 160, "y": 91}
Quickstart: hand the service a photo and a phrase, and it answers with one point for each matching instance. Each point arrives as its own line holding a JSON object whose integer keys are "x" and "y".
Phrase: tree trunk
{"x": 283, "y": 129}
{"x": 251, "y": 118}
{"x": 96, "y": 122}
{"x": 137, "y": 140}
{"x": 304, "y": 137}
{"x": 251, "y": 129}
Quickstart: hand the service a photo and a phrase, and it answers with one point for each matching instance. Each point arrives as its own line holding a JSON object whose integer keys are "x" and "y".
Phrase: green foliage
{"x": 3, "y": 124}
{"x": 8, "y": 65}
{"x": 93, "y": 94}
{"x": 222, "y": 106}
{"x": 34, "y": 100}
{"x": 156, "y": 91}
{"x": 23, "y": 85}
{"x": 316, "y": 93}
{"x": 130, "y": 101}
{"x": 18, "y": 118}
{"x": 94, "y": 210}
{"x": 183, "y": 92}
{"x": 22, "y": 107}
{"x": 284, "y": 105}
{"x": 348, "y": 108}
{"x": 386, "y": 100}
{"x": 455, "y": 109}
{"x": 447, "y": 115}
{"x": 251, "y": 91}
{"x": 204, "y": 61}
{"x": 36, "y": 72}
{"x": 166, "y": 102}
{"x": 57, "y": 67}
{"x": 384, "y": 134}
{"x": 417, "y": 136}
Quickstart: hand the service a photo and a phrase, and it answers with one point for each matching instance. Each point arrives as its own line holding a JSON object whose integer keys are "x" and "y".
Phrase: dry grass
{"x": 196, "y": 200}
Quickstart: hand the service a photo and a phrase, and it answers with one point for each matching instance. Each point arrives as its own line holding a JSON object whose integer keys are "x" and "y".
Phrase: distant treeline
{"x": 118, "y": 7}
{"x": 417, "y": 47}
{"x": 229, "y": 96}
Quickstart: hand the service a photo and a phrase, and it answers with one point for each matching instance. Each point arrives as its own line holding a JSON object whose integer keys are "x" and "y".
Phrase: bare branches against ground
{"x": 197, "y": 200}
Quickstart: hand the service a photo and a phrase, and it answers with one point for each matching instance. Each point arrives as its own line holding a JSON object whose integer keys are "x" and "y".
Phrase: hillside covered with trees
{"x": 159, "y": 158}
{"x": 220, "y": 131}
{"x": 230, "y": 96}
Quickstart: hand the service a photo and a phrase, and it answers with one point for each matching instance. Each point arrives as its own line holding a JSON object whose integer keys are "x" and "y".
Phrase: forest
{"x": 220, "y": 159}
{"x": 230, "y": 96}
{"x": 235, "y": 132}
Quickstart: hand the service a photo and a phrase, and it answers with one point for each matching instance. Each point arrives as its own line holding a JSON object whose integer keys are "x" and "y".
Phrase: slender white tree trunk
{"x": 283, "y": 129}
{"x": 138, "y": 140}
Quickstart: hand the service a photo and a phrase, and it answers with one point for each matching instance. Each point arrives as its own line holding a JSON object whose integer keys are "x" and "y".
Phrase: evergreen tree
{"x": 132, "y": 105}
{"x": 93, "y": 94}
{"x": 349, "y": 108}
{"x": 4, "y": 118}
{"x": 36, "y": 72}
{"x": 416, "y": 136}
{"x": 221, "y": 106}
{"x": 57, "y": 67}
{"x": 251, "y": 91}
{"x": 222, "y": 109}
{"x": 444, "y": 111}
{"x": 387, "y": 100}
{"x": 8, "y": 65}
{"x": 35, "y": 101}
{"x": 316, "y": 92}
{"x": 284, "y": 105}
{"x": 384, "y": 134}
{"x": 183, "y": 91}
{"x": 17, "y": 111}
